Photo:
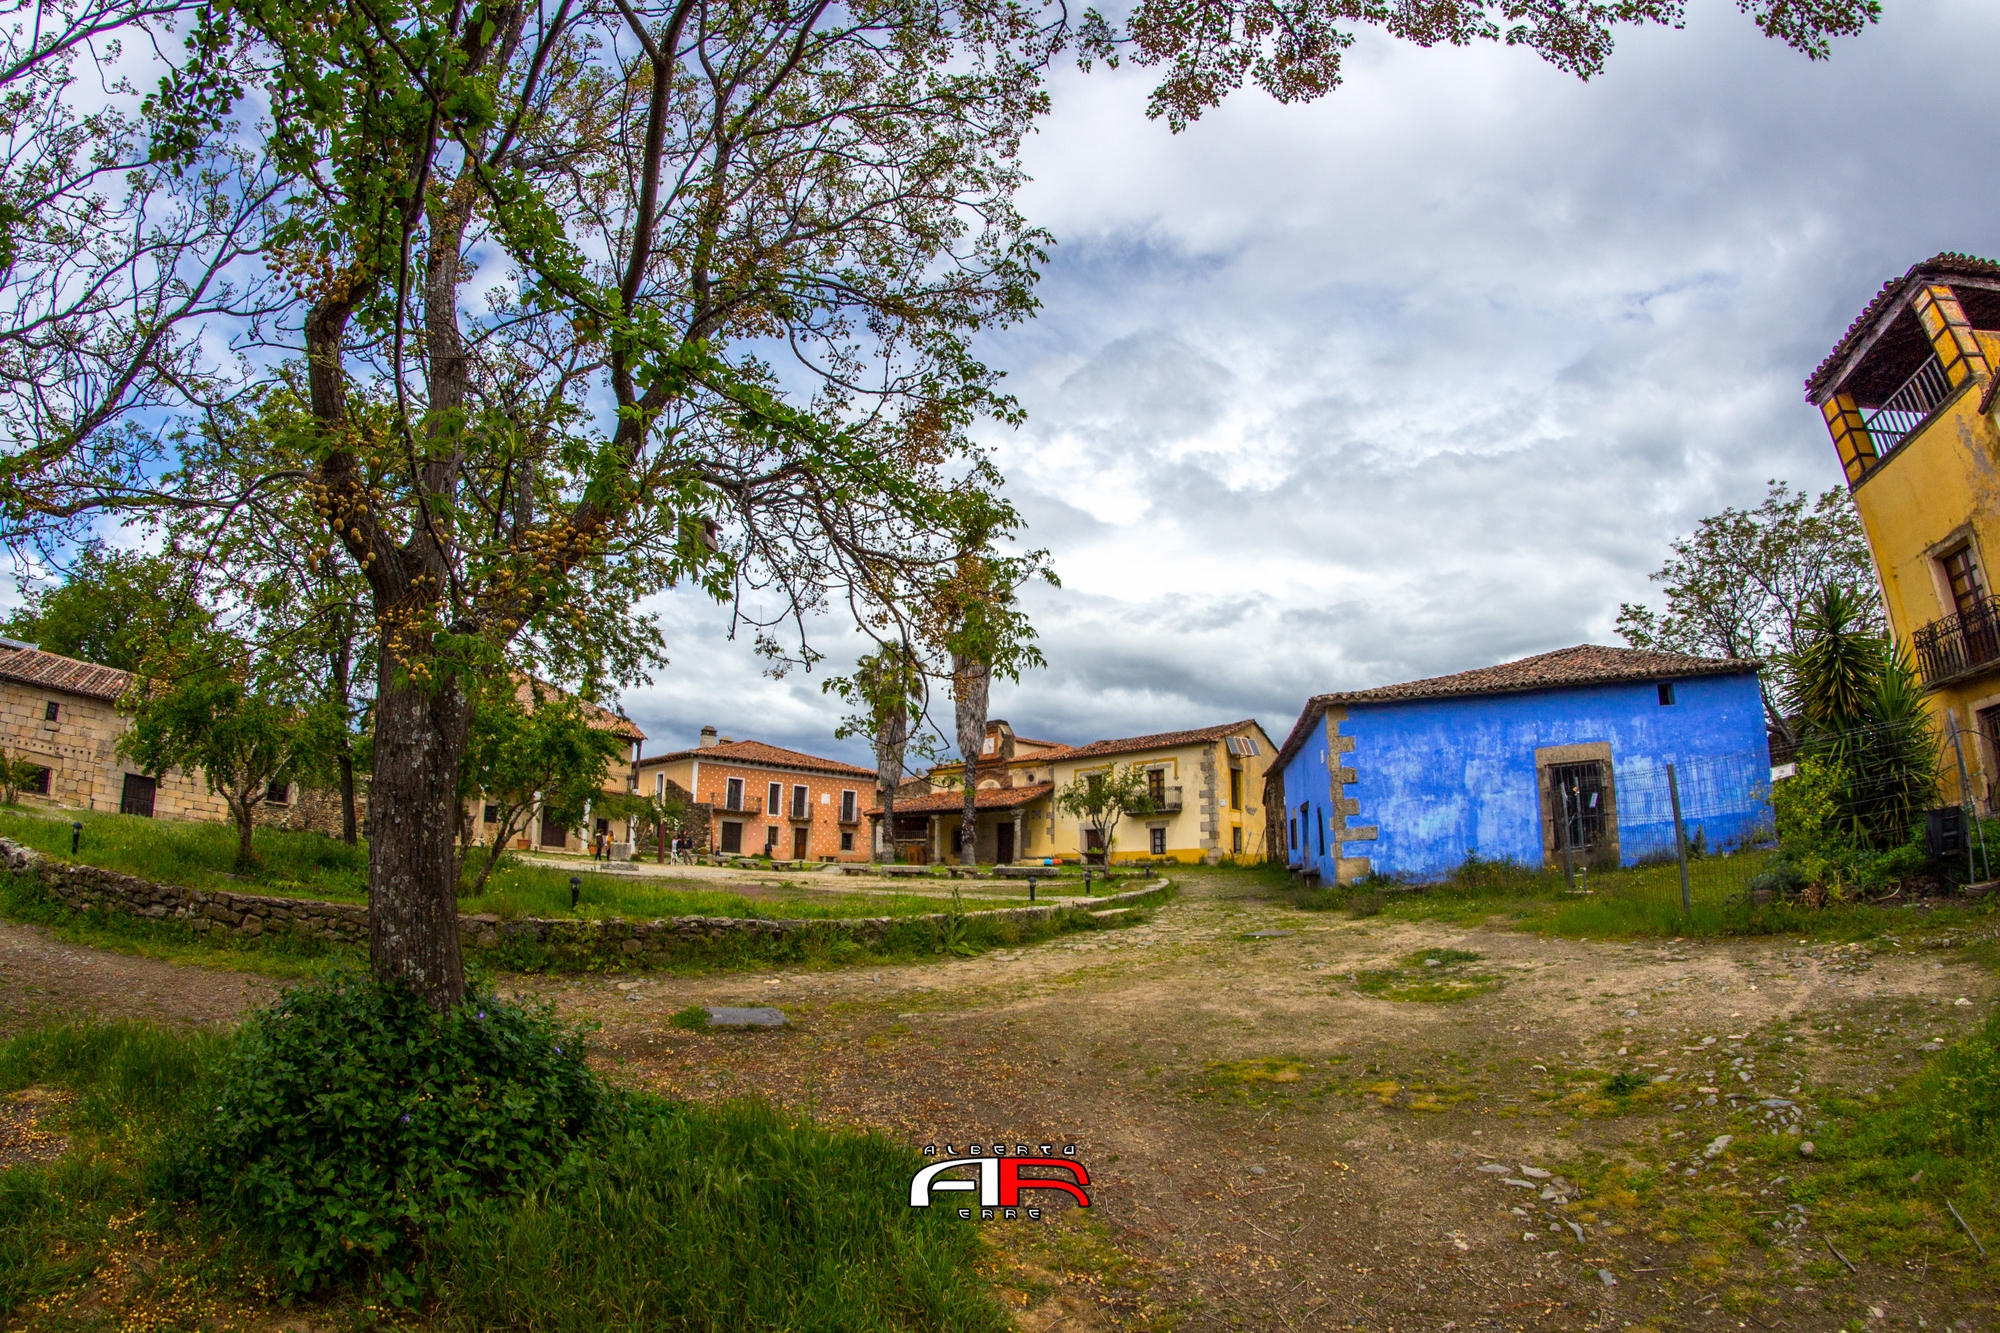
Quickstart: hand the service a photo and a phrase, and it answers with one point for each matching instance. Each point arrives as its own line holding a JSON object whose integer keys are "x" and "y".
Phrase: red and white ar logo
{"x": 998, "y": 1183}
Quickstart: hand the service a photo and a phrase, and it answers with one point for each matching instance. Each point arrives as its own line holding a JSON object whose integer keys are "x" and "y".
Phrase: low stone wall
{"x": 610, "y": 939}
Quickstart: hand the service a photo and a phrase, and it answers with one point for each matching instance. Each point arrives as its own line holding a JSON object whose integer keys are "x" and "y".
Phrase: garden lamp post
{"x": 1031, "y": 888}
{"x": 575, "y": 891}
{"x": 1086, "y": 879}
{"x": 75, "y": 835}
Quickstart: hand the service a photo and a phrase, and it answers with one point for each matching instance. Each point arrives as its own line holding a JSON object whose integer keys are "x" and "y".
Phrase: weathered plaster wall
{"x": 1422, "y": 784}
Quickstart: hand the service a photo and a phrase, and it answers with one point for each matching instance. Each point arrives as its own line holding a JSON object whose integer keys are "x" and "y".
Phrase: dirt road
{"x": 1301, "y": 1121}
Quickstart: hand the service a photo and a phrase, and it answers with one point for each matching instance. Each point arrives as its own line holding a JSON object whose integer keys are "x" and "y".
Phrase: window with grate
{"x": 51, "y": 711}
{"x": 1578, "y": 805}
{"x": 1961, "y": 571}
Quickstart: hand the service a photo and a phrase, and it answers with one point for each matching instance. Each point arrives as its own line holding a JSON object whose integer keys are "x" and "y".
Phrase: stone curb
{"x": 615, "y": 939}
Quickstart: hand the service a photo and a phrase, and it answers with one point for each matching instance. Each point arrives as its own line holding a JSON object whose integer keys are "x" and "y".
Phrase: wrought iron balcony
{"x": 1164, "y": 801}
{"x": 750, "y": 806}
{"x": 1906, "y": 409}
{"x": 1957, "y": 644}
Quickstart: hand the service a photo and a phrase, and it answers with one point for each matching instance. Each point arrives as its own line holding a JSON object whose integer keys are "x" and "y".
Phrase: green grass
{"x": 198, "y": 854}
{"x": 1434, "y": 976}
{"x": 684, "y": 1218}
{"x": 525, "y": 889}
{"x": 1637, "y": 902}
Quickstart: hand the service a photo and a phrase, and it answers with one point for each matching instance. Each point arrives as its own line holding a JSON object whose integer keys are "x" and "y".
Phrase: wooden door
{"x": 799, "y": 843}
{"x": 553, "y": 833}
{"x": 1005, "y": 850}
{"x": 137, "y": 798}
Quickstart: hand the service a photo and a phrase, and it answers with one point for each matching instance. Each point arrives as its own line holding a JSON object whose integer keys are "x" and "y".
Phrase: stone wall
{"x": 609, "y": 940}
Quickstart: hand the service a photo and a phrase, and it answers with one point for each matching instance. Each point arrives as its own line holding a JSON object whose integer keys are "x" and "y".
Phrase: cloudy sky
{"x": 1423, "y": 376}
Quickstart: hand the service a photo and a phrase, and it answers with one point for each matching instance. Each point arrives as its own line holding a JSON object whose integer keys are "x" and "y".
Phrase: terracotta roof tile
{"x": 1160, "y": 741}
{"x": 986, "y": 798}
{"x": 758, "y": 754}
{"x": 1585, "y": 664}
{"x": 1890, "y": 296}
{"x": 65, "y": 675}
{"x": 600, "y": 717}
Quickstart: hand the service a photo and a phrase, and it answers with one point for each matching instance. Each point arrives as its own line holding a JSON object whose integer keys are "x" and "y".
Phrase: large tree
{"x": 890, "y": 695}
{"x": 109, "y": 606}
{"x": 734, "y": 257}
{"x": 1745, "y": 584}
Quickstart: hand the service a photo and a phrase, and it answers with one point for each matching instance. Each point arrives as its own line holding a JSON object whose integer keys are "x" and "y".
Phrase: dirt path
{"x": 1274, "y": 1141}
{"x": 42, "y": 979}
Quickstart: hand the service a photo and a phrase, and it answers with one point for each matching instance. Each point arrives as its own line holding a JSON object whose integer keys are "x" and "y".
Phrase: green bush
{"x": 351, "y": 1120}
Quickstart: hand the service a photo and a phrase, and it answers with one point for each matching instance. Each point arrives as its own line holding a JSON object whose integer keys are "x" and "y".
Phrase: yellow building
{"x": 1908, "y": 397}
{"x": 1206, "y": 785}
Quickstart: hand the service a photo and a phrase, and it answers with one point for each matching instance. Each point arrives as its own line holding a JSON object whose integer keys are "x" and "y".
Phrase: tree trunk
{"x": 246, "y": 824}
{"x": 971, "y": 682}
{"x": 420, "y": 737}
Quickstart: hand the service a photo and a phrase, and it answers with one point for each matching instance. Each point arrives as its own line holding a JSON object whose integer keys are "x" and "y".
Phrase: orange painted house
{"x": 765, "y": 798}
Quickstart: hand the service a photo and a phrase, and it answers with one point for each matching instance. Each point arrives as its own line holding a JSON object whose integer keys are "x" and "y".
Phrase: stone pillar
{"x": 1017, "y": 834}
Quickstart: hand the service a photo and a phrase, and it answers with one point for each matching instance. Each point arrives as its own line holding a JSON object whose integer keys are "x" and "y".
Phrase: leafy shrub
{"x": 692, "y": 1017}
{"x": 351, "y": 1120}
{"x": 1624, "y": 1084}
{"x": 1780, "y": 879}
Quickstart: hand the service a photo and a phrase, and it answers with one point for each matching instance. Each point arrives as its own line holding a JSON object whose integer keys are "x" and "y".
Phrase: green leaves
{"x": 352, "y": 1122}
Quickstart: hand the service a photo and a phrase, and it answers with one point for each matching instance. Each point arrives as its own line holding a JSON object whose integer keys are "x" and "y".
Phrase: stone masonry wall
{"x": 612, "y": 939}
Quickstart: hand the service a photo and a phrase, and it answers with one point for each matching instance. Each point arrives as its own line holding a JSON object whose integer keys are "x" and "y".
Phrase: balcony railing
{"x": 1165, "y": 800}
{"x": 750, "y": 806}
{"x": 1959, "y": 643}
{"x": 1906, "y": 409}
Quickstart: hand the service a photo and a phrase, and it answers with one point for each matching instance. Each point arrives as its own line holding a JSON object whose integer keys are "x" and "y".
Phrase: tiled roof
{"x": 1160, "y": 741}
{"x": 66, "y": 675}
{"x": 1585, "y": 664}
{"x": 986, "y": 798}
{"x": 1891, "y": 296}
{"x": 603, "y": 719}
{"x": 756, "y": 754}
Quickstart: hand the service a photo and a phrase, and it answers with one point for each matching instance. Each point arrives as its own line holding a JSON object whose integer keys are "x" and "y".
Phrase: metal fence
{"x": 1689, "y": 834}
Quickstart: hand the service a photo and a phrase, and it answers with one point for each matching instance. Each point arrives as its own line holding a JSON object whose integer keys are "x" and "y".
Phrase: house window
{"x": 491, "y": 814}
{"x": 1093, "y": 840}
{"x": 1236, "y": 838}
{"x": 770, "y": 836}
{"x": 732, "y": 836}
{"x": 1159, "y": 841}
{"x": 847, "y": 842}
{"x": 660, "y": 786}
{"x": 734, "y": 799}
{"x": 1322, "y": 832}
{"x": 37, "y": 783}
{"x": 1967, "y": 589}
{"x": 1666, "y": 693}
{"x": 279, "y": 793}
{"x": 1156, "y": 785}
{"x": 51, "y": 711}
{"x": 1291, "y": 835}
{"x": 847, "y": 804}
{"x": 1989, "y": 727}
{"x": 1235, "y": 789}
{"x": 774, "y": 799}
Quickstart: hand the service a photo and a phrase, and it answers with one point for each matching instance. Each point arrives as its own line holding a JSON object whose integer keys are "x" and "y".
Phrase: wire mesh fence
{"x": 1718, "y": 807}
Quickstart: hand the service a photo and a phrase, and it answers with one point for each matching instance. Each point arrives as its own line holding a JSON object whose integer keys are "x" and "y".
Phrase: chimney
{"x": 707, "y": 737}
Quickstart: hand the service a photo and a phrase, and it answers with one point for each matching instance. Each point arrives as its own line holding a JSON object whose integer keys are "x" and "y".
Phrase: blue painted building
{"x": 1518, "y": 762}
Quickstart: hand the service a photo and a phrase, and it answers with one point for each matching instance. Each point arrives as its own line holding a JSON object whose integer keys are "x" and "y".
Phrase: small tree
{"x": 237, "y": 722}
{"x": 1099, "y": 800}
{"x": 539, "y": 754}
{"x": 16, "y": 774}
{"x": 890, "y": 695}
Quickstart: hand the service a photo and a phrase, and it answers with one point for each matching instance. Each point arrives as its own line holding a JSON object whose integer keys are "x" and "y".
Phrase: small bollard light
{"x": 75, "y": 835}
{"x": 1031, "y": 888}
{"x": 1086, "y": 879}
{"x": 575, "y": 891}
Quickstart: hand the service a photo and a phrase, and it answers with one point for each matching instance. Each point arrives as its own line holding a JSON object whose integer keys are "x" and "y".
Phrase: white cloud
{"x": 1425, "y": 375}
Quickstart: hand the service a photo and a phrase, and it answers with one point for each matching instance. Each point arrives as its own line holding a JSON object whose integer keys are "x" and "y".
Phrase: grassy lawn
{"x": 202, "y": 855}
{"x": 1636, "y": 902}
{"x": 674, "y": 1216}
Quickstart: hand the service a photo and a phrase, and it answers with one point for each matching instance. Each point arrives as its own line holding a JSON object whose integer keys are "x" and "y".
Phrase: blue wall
{"x": 1443, "y": 778}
